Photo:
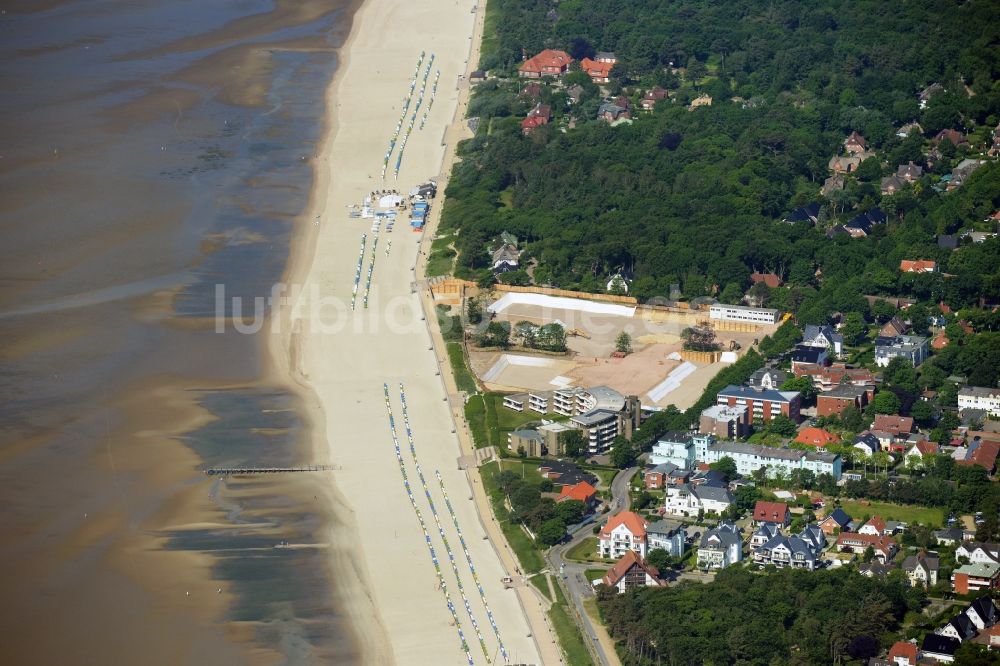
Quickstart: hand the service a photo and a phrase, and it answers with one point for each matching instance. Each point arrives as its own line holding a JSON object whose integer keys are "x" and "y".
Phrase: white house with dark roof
{"x": 668, "y": 535}
{"x": 720, "y": 547}
{"x": 825, "y": 337}
{"x": 979, "y": 397}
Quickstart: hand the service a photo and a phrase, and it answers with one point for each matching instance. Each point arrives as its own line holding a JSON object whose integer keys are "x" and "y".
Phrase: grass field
{"x": 442, "y": 257}
{"x": 570, "y": 638}
{"x": 585, "y": 551}
{"x": 475, "y": 416}
{"x": 902, "y": 512}
{"x": 542, "y": 583}
{"x": 594, "y": 574}
{"x": 531, "y": 560}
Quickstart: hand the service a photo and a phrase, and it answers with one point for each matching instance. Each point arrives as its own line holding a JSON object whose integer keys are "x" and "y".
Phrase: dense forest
{"x": 787, "y": 617}
{"x": 695, "y": 198}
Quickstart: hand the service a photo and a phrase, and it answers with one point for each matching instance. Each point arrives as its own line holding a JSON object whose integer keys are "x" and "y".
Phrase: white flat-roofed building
{"x": 514, "y": 402}
{"x": 978, "y": 397}
{"x": 722, "y": 312}
{"x": 676, "y": 448}
{"x": 564, "y": 401}
{"x": 538, "y": 402}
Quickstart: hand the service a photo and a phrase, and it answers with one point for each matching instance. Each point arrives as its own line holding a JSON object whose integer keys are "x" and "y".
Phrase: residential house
{"x": 906, "y": 129}
{"x": 700, "y": 100}
{"x": 791, "y": 551}
{"x": 867, "y": 443}
{"x": 892, "y": 328}
{"x": 918, "y": 266}
{"x": 617, "y": 283}
{"x": 970, "y": 578}
{"x": 855, "y": 144}
{"x": 816, "y": 437}
{"x": 720, "y": 547}
{"x": 655, "y": 476}
{"x": 979, "y": 397}
{"x": 539, "y": 115}
{"x": 910, "y": 172}
{"x": 840, "y": 164}
{"x": 804, "y": 355}
{"x": 902, "y": 653}
{"x": 983, "y": 612}
{"x": 957, "y": 138}
{"x": 927, "y": 93}
{"x": 532, "y": 90}
{"x": 834, "y": 183}
{"x": 836, "y": 522}
{"x": 623, "y": 532}
{"x": 764, "y": 533}
{"x": 630, "y": 572}
{"x": 836, "y": 400}
{"x": 950, "y": 536}
{"x": 768, "y": 378}
{"x": 772, "y": 512}
{"x": 724, "y": 422}
{"x": 583, "y": 492}
{"x": 606, "y": 56}
{"x": 891, "y": 184}
{"x": 599, "y": 71}
{"x": 874, "y": 527}
{"x": 529, "y": 441}
{"x": 915, "y": 454}
{"x": 668, "y": 535}
{"x": 808, "y": 214}
{"x": 651, "y": 97}
{"x": 852, "y": 542}
{"x": 564, "y": 473}
{"x": 861, "y": 225}
{"x": 876, "y": 569}
{"x": 898, "y": 426}
{"x": 959, "y": 627}
{"x": 612, "y": 112}
{"x": 940, "y": 648}
{"x": 922, "y": 569}
{"x": 690, "y": 500}
{"x": 762, "y": 404}
{"x": 505, "y": 259}
{"x": 979, "y": 552}
{"x": 979, "y": 451}
{"x": 829, "y": 377}
{"x": 825, "y": 337}
{"x": 549, "y": 62}
{"x": 913, "y": 348}
{"x": 769, "y": 279}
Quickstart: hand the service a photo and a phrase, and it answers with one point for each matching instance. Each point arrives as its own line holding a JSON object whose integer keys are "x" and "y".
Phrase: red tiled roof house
{"x": 547, "y": 63}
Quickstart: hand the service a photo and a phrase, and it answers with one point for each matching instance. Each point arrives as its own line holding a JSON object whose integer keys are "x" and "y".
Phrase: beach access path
{"x": 344, "y": 355}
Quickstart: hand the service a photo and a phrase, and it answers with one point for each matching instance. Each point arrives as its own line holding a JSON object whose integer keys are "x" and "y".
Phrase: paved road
{"x": 575, "y": 583}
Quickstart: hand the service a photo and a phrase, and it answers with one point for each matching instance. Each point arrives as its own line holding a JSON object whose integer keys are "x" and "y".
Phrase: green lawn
{"x": 463, "y": 376}
{"x": 542, "y": 583}
{"x": 585, "y": 551}
{"x": 902, "y": 512}
{"x": 570, "y": 638}
{"x": 594, "y": 574}
{"x": 531, "y": 560}
{"x": 527, "y": 470}
{"x": 605, "y": 475}
{"x": 441, "y": 259}
{"x": 475, "y": 416}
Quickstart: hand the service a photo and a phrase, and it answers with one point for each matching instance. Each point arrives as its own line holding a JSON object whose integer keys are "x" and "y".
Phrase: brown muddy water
{"x": 149, "y": 151}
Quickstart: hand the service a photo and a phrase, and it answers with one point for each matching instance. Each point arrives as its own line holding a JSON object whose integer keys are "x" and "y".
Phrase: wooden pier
{"x": 246, "y": 471}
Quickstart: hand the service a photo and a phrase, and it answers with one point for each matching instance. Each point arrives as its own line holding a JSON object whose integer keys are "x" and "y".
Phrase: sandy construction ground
{"x": 345, "y": 355}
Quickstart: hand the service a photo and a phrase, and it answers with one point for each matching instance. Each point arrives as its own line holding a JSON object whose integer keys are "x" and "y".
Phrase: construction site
{"x": 659, "y": 367}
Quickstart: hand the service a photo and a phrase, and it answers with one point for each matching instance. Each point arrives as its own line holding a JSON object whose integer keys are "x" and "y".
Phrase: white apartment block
{"x": 978, "y": 397}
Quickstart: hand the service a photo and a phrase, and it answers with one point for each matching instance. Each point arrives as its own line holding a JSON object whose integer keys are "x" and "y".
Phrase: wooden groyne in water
{"x": 243, "y": 471}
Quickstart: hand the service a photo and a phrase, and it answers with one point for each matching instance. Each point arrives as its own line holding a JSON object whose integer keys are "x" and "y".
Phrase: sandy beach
{"x": 342, "y": 357}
